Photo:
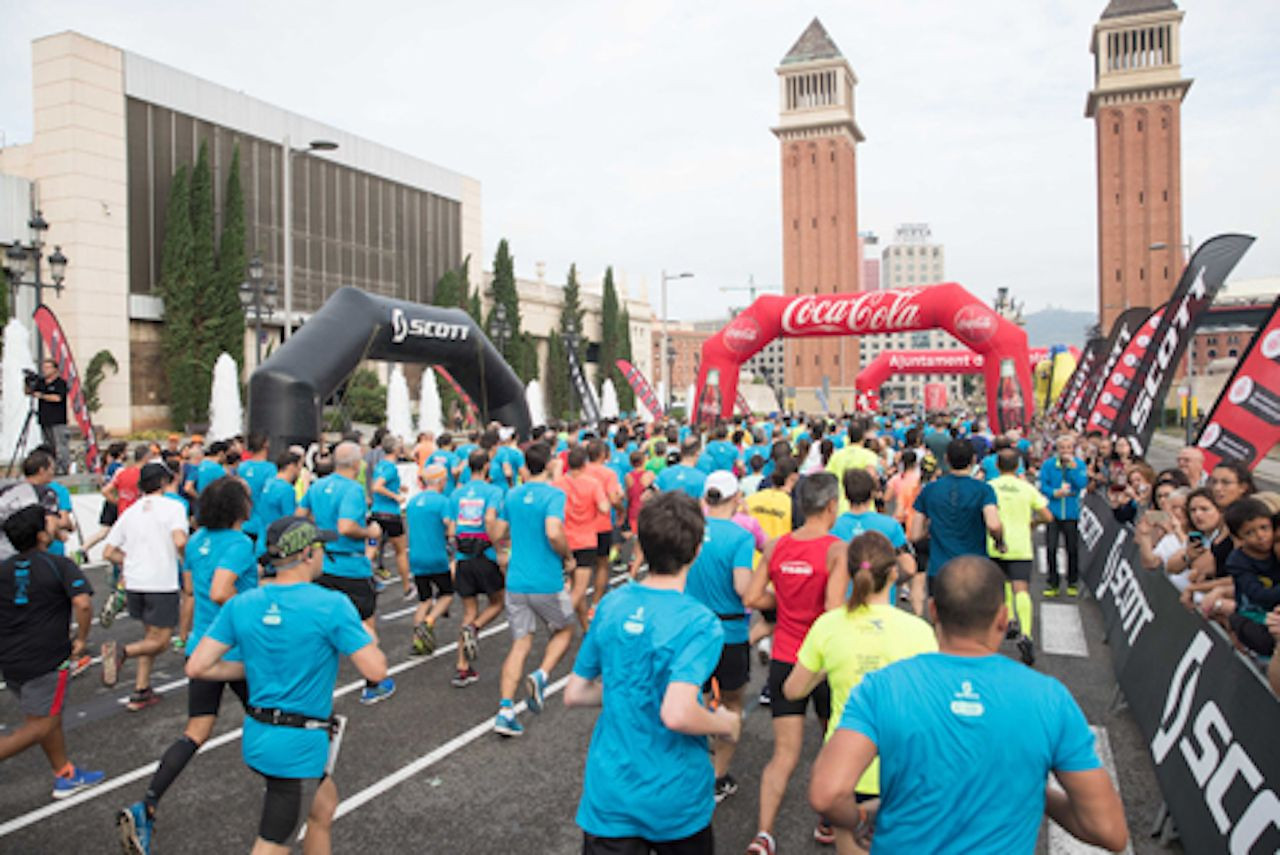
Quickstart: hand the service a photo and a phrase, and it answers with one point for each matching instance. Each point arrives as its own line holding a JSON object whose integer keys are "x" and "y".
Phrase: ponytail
{"x": 872, "y": 562}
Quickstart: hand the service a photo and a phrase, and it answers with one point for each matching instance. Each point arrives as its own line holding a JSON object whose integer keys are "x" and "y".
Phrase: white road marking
{"x": 1060, "y": 841}
{"x": 1061, "y": 630}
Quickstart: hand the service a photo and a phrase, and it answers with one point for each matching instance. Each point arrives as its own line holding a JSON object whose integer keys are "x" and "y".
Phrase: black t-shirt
{"x": 35, "y": 612}
{"x": 51, "y": 412}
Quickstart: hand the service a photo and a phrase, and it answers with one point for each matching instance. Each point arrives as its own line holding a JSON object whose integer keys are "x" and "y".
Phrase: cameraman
{"x": 51, "y": 390}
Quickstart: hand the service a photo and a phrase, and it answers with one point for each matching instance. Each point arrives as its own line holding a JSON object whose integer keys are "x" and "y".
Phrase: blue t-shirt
{"x": 208, "y": 472}
{"x": 538, "y": 569}
{"x": 471, "y": 503}
{"x": 954, "y": 504}
{"x": 464, "y": 454}
{"x": 985, "y": 727}
{"x": 681, "y": 477}
{"x": 332, "y": 498}
{"x": 424, "y": 517}
{"x": 620, "y": 463}
{"x": 279, "y": 499}
{"x": 643, "y": 780}
{"x": 448, "y": 460}
{"x": 256, "y": 473}
{"x": 725, "y": 546}
{"x": 390, "y": 474}
{"x": 208, "y": 550}
{"x": 290, "y": 637}
{"x": 849, "y": 525}
{"x": 513, "y": 459}
{"x": 720, "y": 455}
{"x": 169, "y": 494}
{"x": 991, "y": 471}
{"x": 64, "y": 504}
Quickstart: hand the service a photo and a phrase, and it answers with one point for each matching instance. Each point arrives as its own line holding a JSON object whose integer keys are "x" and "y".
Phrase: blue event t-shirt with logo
{"x": 256, "y": 473}
{"x": 954, "y": 504}
{"x": 279, "y": 499}
{"x": 985, "y": 726}
{"x": 681, "y": 477}
{"x": 725, "y": 546}
{"x": 719, "y": 455}
{"x": 64, "y": 504}
{"x": 536, "y": 568}
{"x": 849, "y": 525}
{"x": 642, "y": 779}
{"x": 332, "y": 498}
{"x": 424, "y": 518}
{"x": 448, "y": 460}
{"x": 513, "y": 459}
{"x": 290, "y": 637}
{"x": 390, "y": 474}
{"x": 206, "y": 552}
{"x": 471, "y": 502}
{"x": 208, "y": 472}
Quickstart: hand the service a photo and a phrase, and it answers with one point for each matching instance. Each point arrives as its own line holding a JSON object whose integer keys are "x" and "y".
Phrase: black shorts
{"x": 604, "y": 543}
{"x": 285, "y": 803}
{"x": 476, "y": 576}
{"x": 734, "y": 669}
{"x": 110, "y": 513}
{"x": 158, "y": 609}
{"x": 1015, "y": 571}
{"x": 204, "y": 697}
{"x": 362, "y": 593}
{"x": 392, "y": 524}
{"x": 780, "y": 707}
{"x": 769, "y": 616}
{"x": 585, "y": 558}
{"x": 433, "y": 585}
{"x": 702, "y": 843}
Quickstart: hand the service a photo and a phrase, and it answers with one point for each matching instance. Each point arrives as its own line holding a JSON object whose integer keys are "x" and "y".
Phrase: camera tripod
{"x": 20, "y": 444}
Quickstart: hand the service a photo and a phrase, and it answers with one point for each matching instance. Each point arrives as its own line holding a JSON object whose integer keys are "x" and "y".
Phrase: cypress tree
{"x": 609, "y": 333}
{"x": 205, "y": 320}
{"x": 448, "y": 293}
{"x": 504, "y": 293}
{"x": 232, "y": 261}
{"x": 626, "y": 395}
{"x": 571, "y": 316}
{"x": 177, "y": 287}
{"x": 558, "y": 390}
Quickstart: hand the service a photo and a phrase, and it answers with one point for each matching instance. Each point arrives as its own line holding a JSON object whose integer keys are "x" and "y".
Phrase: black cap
{"x": 291, "y": 535}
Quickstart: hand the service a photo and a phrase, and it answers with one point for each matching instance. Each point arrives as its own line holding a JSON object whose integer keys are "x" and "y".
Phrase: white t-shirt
{"x": 144, "y": 533}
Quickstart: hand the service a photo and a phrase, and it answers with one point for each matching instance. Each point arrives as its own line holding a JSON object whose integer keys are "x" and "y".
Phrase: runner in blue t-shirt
{"x": 859, "y": 488}
{"x": 685, "y": 475}
{"x": 386, "y": 494}
{"x": 219, "y": 565}
{"x": 445, "y": 456}
{"x": 257, "y": 471}
{"x": 291, "y": 634}
{"x": 534, "y": 511}
{"x": 504, "y": 468}
{"x": 428, "y": 516}
{"x": 279, "y": 497}
{"x": 965, "y": 771}
{"x": 213, "y": 467}
{"x": 957, "y": 511}
{"x": 475, "y": 507}
{"x": 644, "y": 662}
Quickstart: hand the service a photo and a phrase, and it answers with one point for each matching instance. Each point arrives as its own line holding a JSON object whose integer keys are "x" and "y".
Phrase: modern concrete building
{"x": 818, "y": 136}
{"x": 110, "y": 129}
{"x": 1136, "y": 105}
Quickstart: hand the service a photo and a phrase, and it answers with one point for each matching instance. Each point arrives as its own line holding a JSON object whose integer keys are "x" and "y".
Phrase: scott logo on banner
{"x": 402, "y": 327}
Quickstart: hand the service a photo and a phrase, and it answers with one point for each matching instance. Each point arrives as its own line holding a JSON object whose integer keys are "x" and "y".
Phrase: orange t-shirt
{"x": 583, "y": 497}
{"x": 903, "y": 489}
{"x": 608, "y": 480}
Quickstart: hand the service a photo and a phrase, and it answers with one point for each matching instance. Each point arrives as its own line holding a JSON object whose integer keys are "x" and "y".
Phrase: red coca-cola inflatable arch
{"x": 891, "y": 362}
{"x": 947, "y": 306}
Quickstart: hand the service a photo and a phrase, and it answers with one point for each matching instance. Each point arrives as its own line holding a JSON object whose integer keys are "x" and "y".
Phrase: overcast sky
{"x": 637, "y": 134}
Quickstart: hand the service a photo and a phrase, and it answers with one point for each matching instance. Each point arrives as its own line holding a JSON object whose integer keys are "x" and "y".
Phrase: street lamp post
{"x": 501, "y": 329}
{"x": 671, "y": 373}
{"x": 286, "y": 210}
{"x": 259, "y": 299}
{"x": 21, "y": 259}
{"x": 665, "y": 339}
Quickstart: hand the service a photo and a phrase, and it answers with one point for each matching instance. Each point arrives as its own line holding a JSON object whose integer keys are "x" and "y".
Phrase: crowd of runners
{"x": 875, "y": 570}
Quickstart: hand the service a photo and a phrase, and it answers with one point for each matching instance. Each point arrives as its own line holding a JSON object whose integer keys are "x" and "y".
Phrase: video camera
{"x": 30, "y": 380}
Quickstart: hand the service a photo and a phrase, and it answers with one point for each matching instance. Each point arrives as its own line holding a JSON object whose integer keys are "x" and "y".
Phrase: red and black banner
{"x": 1080, "y": 376}
{"x": 471, "y": 414}
{"x": 641, "y": 387}
{"x": 1199, "y": 284}
{"x": 1119, "y": 383}
{"x": 1122, "y": 332}
{"x": 1244, "y": 423}
{"x": 55, "y": 342}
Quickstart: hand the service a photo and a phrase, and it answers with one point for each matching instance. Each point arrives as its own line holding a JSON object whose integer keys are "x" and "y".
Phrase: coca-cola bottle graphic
{"x": 1009, "y": 406}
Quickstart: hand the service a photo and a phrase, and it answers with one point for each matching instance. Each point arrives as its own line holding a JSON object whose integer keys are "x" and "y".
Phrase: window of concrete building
{"x": 1233, "y": 353}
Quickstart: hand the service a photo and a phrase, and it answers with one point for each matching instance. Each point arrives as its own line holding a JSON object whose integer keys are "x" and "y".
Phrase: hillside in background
{"x": 1057, "y": 326}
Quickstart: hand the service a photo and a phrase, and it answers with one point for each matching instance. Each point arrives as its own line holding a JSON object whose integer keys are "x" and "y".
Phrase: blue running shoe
{"x": 135, "y": 829}
{"x": 507, "y": 725}
{"x": 380, "y": 692}
{"x": 77, "y": 781}
{"x": 537, "y": 686}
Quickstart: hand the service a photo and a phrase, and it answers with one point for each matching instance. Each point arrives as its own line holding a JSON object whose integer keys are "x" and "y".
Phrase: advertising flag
{"x": 641, "y": 387}
{"x": 1117, "y": 385}
{"x": 1088, "y": 361}
{"x": 472, "y": 414}
{"x": 1244, "y": 423}
{"x": 1122, "y": 332}
{"x": 55, "y": 342}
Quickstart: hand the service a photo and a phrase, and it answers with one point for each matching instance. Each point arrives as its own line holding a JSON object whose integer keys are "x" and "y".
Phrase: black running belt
{"x": 280, "y": 718}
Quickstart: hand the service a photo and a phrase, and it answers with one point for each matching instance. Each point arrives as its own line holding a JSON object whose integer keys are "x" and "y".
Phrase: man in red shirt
{"x": 123, "y": 488}
{"x": 598, "y": 456}
{"x": 808, "y": 573}
{"x": 585, "y": 501}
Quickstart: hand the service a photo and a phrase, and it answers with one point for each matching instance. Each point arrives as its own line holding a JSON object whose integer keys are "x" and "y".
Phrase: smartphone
{"x": 1160, "y": 518}
{"x": 1196, "y": 537}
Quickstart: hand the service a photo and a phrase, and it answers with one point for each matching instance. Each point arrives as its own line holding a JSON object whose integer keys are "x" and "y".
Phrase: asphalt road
{"x": 421, "y": 771}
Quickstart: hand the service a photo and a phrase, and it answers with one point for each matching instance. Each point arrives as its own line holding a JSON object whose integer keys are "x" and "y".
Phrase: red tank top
{"x": 798, "y": 571}
{"x": 635, "y": 490}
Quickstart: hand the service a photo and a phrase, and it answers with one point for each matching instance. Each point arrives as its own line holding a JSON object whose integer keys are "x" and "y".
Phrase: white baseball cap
{"x": 723, "y": 483}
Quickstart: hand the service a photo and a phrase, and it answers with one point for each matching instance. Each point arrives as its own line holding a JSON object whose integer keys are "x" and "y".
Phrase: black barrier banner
{"x": 1088, "y": 359}
{"x": 1244, "y": 423}
{"x": 1208, "y": 719}
{"x": 590, "y": 408}
{"x": 1121, "y": 332}
{"x": 1200, "y": 282}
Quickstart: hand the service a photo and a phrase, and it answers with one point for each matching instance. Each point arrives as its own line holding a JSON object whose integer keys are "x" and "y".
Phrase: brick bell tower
{"x": 1136, "y": 105}
{"x": 818, "y": 134}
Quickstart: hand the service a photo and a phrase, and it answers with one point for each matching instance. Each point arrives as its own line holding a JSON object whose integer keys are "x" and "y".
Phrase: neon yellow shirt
{"x": 856, "y": 456}
{"x": 772, "y": 509}
{"x": 1017, "y": 501}
{"x": 849, "y": 645}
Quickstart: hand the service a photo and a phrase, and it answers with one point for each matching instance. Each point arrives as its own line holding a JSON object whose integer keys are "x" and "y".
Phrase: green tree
{"x": 571, "y": 317}
{"x": 225, "y": 312}
{"x": 366, "y": 398}
{"x": 626, "y": 395}
{"x": 177, "y": 287}
{"x": 517, "y": 351}
{"x": 450, "y": 292}
{"x": 94, "y": 373}
{"x": 610, "y": 335}
{"x": 558, "y": 391}
{"x": 204, "y": 267}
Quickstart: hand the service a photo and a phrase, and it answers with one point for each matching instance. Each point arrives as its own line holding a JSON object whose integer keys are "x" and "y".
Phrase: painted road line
{"x": 1061, "y": 630}
{"x": 1060, "y": 841}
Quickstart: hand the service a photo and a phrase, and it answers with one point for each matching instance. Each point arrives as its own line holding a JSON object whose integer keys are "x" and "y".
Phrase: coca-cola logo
{"x": 869, "y": 312}
{"x": 742, "y": 334}
{"x": 975, "y": 323}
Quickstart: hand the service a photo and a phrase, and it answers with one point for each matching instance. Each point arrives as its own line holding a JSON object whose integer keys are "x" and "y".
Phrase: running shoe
{"x": 112, "y": 660}
{"x": 1073, "y": 591}
{"x": 462, "y": 679}
{"x": 1027, "y": 650}
{"x": 382, "y": 691}
{"x": 427, "y": 632}
{"x": 79, "y": 557}
{"x": 824, "y": 833}
{"x": 78, "y": 780}
{"x": 507, "y": 725}
{"x": 765, "y": 699}
{"x": 417, "y": 647}
{"x": 725, "y": 787}
{"x": 383, "y": 573}
{"x": 80, "y": 665}
{"x": 140, "y": 700}
{"x": 135, "y": 829}
{"x": 410, "y": 594}
{"x": 764, "y": 650}
{"x": 762, "y": 845}
{"x": 1012, "y": 631}
{"x": 112, "y": 607}
{"x": 470, "y": 642}
{"x": 1051, "y": 593}
{"x": 536, "y": 683}
{"x": 179, "y": 645}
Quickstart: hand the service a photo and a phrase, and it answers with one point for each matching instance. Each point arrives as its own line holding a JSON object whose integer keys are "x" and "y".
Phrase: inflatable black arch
{"x": 288, "y": 390}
